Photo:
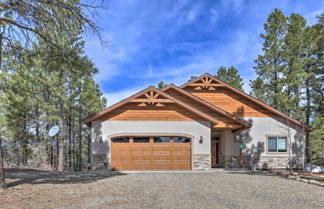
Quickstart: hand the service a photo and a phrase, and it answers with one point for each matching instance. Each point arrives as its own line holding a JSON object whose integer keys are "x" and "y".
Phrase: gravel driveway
{"x": 44, "y": 189}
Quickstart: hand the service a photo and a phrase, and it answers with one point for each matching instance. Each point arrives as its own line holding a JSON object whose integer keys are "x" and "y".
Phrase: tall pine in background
{"x": 44, "y": 84}
{"x": 269, "y": 65}
{"x": 293, "y": 71}
{"x": 290, "y": 73}
{"x": 230, "y": 76}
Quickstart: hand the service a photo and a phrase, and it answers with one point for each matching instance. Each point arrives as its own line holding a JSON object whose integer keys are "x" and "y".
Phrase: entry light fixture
{"x": 201, "y": 140}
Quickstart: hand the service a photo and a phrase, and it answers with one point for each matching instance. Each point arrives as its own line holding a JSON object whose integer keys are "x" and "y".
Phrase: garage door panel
{"x": 164, "y": 147}
{"x": 140, "y": 147}
{"x": 141, "y": 156}
{"x": 161, "y": 157}
{"x": 151, "y": 155}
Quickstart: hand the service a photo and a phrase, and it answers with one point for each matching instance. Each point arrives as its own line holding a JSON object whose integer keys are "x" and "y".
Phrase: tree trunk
{"x": 2, "y": 178}
{"x": 80, "y": 140}
{"x": 89, "y": 152}
{"x": 70, "y": 142}
{"x": 61, "y": 147}
{"x": 37, "y": 122}
{"x": 308, "y": 113}
{"x": 23, "y": 144}
{"x": 275, "y": 99}
{"x": 73, "y": 146}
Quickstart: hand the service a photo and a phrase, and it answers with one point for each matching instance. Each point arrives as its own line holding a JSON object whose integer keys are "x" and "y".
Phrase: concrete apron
{"x": 212, "y": 170}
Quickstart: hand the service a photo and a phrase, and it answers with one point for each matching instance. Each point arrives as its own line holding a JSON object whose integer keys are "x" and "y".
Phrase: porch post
{"x": 241, "y": 150}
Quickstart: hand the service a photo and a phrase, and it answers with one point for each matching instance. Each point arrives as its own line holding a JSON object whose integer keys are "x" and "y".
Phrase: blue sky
{"x": 170, "y": 40}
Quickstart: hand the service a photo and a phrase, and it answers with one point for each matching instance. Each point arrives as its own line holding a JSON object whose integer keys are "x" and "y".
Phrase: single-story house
{"x": 202, "y": 124}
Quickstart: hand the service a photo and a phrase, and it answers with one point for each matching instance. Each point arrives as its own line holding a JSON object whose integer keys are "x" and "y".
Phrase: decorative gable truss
{"x": 152, "y": 97}
{"x": 205, "y": 82}
{"x": 209, "y": 82}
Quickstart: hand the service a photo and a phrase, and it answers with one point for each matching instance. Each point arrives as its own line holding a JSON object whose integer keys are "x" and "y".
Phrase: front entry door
{"x": 215, "y": 146}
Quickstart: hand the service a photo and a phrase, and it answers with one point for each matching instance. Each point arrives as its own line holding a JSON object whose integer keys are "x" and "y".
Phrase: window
{"x": 120, "y": 140}
{"x": 179, "y": 139}
{"x": 141, "y": 139}
{"x": 161, "y": 139}
{"x": 277, "y": 144}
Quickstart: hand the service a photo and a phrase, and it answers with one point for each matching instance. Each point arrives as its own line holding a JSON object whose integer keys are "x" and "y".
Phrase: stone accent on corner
{"x": 201, "y": 161}
{"x": 99, "y": 162}
{"x": 264, "y": 162}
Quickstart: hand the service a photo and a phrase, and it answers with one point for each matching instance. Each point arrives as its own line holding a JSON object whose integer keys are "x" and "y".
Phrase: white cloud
{"x": 117, "y": 96}
{"x": 214, "y": 15}
{"x": 240, "y": 53}
{"x": 235, "y": 6}
{"x": 193, "y": 13}
{"x": 139, "y": 31}
{"x": 311, "y": 16}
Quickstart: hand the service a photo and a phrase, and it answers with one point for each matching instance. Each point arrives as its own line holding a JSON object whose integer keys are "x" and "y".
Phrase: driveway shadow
{"x": 254, "y": 173}
{"x": 33, "y": 176}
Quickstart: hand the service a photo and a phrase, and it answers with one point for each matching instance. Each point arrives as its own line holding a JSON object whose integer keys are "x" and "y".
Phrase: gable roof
{"x": 144, "y": 92}
{"x": 218, "y": 83}
{"x": 207, "y": 104}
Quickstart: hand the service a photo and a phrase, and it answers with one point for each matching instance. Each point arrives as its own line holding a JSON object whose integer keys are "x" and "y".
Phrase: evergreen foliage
{"x": 290, "y": 72}
{"x": 46, "y": 80}
{"x": 230, "y": 76}
{"x": 161, "y": 85}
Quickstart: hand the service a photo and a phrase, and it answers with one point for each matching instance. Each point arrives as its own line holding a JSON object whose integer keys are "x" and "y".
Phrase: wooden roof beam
{"x": 207, "y": 85}
{"x": 151, "y": 100}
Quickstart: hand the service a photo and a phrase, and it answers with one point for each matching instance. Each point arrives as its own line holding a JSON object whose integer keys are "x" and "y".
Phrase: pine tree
{"x": 22, "y": 24}
{"x": 161, "y": 85}
{"x": 269, "y": 65}
{"x": 315, "y": 89}
{"x": 230, "y": 76}
{"x": 193, "y": 77}
{"x": 293, "y": 72}
{"x": 292, "y": 61}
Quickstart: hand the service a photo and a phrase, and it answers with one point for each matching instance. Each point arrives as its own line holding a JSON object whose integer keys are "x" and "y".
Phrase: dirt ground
{"x": 49, "y": 189}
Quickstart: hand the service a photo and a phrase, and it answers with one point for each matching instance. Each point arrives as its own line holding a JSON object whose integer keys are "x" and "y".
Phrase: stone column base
{"x": 99, "y": 162}
{"x": 264, "y": 162}
{"x": 201, "y": 161}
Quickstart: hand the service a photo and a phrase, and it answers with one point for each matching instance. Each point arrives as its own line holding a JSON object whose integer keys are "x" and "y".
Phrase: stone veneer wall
{"x": 201, "y": 161}
{"x": 264, "y": 162}
{"x": 99, "y": 162}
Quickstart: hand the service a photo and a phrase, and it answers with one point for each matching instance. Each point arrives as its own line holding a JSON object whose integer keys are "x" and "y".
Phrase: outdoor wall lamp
{"x": 201, "y": 140}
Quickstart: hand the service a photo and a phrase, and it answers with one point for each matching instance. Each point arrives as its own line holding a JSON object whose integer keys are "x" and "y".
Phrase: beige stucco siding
{"x": 257, "y": 144}
{"x": 108, "y": 129}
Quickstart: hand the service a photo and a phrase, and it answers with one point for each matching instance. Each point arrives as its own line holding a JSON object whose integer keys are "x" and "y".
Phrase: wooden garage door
{"x": 151, "y": 153}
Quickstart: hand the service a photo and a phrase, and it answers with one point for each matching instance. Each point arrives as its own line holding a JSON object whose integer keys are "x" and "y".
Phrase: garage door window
{"x": 181, "y": 140}
{"x": 162, "y": 139}
{"x": 120, "y": 140}
{"x": 141, "y": 139}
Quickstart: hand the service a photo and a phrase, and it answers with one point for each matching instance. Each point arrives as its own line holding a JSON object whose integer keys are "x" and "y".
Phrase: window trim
{"x": 276, "y": 152}
{"x": 162, "y": 142}
{"x": 127, "y": 142}
{"x": 181, "y": 142}
{"x": 149, "y": 139}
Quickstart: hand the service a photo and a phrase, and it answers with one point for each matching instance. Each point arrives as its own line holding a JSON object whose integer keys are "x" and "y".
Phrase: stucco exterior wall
{"x": 254, "y": 152}
{"x": 256, "y": 147}
{"x": 108, "y": 129}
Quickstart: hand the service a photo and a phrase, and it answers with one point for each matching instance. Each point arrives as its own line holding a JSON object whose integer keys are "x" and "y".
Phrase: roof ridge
{"x": 90, "y": 118}
{"x": 264, "y": 105}
{"x": 206, "y": 103}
